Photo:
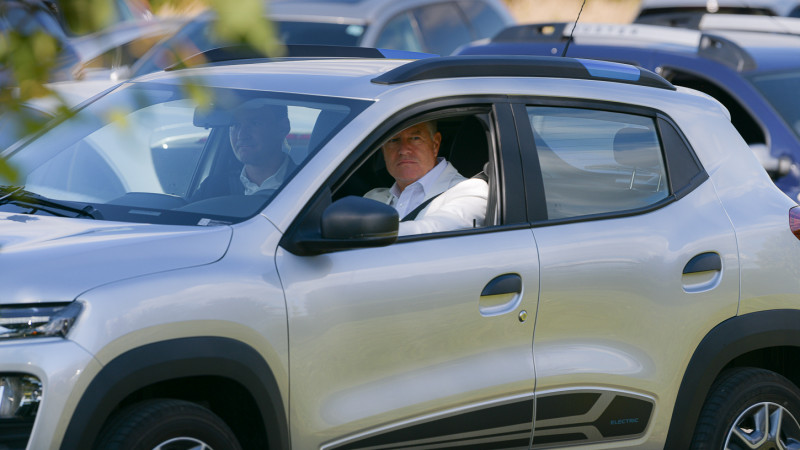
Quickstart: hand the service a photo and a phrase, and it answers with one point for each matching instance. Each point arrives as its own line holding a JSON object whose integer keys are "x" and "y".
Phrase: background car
{"x": 119, "y": 11}
{"x": 687, "y": 13}
{"x": 28, "y": 18}
{"x": 755, "y": 75}
{"x": 431, "y": 26}
{"x": 111, "y": 52}
{"x": 622, "y": 213}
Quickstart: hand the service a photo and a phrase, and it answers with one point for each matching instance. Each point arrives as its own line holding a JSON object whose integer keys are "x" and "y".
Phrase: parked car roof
{"x": 652, "y": 8}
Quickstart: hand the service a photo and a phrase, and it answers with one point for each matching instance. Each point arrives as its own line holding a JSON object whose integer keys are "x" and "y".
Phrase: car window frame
{"x": 676, "y": 151}
{"x": 505, "y": 154}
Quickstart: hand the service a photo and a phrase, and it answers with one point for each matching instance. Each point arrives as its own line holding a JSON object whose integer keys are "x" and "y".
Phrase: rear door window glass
{"x": 597, "y": 162}
{"x": 443, "y": 28}
{"x": 399, "y": 34}
{"x": 484, "y": 20}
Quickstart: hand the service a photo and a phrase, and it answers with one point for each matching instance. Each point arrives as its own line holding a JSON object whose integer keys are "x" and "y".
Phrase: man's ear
{"x": 437, "y": 141}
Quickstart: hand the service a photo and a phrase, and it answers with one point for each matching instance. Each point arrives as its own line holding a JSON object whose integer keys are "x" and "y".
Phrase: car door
{"x": 425, "y": 341}
{"x": 638, "y": 262}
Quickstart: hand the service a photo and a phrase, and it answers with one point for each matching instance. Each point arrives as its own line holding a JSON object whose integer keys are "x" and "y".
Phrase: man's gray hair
{"x": 431, "y": 126}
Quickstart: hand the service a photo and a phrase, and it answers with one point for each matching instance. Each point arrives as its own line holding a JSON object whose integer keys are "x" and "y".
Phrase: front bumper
{"x": 63, "y": 368}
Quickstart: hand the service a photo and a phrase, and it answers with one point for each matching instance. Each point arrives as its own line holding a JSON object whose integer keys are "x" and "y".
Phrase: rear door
{"x": 638, "y": 261}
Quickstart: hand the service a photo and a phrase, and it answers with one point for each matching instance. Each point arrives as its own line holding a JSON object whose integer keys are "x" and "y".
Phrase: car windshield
{"x": 147, "y": 153}
{"x": 782, "y": 90}
{"x": 199, "y": 36}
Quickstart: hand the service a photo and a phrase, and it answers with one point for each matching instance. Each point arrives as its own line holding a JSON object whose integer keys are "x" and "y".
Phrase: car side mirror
{"x": 348, "y": 223}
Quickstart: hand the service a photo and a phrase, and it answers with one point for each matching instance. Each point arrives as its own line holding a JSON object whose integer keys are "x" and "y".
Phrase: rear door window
{"x": 597, "y": 162}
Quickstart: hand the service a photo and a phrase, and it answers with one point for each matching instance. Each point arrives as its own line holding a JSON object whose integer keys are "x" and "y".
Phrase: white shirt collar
{"x": 426, "y": 182}
{"x": 273, "y": 182}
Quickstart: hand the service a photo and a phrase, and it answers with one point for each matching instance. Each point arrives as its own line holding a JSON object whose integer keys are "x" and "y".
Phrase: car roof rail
{"x": 725, "y": 52}
{"x": 238, "y": 54}
{"x": 521, "y": 66}
{"x": 739, "y": 22}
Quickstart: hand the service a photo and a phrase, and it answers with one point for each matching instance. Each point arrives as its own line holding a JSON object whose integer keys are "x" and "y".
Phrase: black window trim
{"x": 534, "y": 183}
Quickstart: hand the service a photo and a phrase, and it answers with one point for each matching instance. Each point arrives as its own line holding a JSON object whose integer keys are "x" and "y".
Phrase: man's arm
{"x": 461, "y": 206}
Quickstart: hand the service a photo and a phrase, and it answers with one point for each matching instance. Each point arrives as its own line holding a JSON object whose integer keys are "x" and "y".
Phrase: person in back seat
{"x": 429, "y": 194}
{"x": 258, "y": 139}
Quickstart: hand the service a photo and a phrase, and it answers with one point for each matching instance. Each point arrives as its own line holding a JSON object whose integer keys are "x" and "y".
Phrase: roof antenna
{"x": 564, "y": 53}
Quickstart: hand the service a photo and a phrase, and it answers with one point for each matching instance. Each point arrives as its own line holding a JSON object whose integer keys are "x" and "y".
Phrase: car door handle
{"x": 501, "y": 295}
{"x": 704, "y": 262}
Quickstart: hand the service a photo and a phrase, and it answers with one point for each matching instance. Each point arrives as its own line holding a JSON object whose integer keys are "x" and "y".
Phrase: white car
{"x": 635, "y": 284}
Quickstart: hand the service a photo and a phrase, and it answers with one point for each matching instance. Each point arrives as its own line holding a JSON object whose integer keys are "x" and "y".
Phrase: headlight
{"x": 41, "y": 320}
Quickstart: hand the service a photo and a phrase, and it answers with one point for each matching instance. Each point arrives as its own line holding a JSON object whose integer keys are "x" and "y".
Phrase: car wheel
{"x": 750, "y": 408}
{"x": 165, "y": 424}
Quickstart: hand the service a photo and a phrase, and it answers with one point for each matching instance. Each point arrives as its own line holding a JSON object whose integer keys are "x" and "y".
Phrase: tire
{"x": 166, "y": 424}
{"x": 749, "y": 408}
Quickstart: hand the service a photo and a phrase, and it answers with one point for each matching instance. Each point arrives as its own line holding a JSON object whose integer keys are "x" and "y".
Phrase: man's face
{"x": 411, "y": 153}
{"x": 257, "y": 136}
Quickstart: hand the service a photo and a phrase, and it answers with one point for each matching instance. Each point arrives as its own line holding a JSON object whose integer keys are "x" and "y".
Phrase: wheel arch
{"x": 147, "y": 370}
{"x": 756, "y": 339}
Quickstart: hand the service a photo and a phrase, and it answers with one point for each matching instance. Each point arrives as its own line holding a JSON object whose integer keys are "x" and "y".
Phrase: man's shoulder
{"x": 469, "y": 186}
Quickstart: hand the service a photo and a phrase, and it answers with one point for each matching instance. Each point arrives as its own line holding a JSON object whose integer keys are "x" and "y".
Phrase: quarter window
{"x": 597, "y": 162}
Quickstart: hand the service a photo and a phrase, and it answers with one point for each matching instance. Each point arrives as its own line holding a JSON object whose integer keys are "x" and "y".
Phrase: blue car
{"x": 755, "y": 75}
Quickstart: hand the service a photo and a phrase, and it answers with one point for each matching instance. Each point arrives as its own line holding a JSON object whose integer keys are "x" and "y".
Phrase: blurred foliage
{"x": 31, "y": 51}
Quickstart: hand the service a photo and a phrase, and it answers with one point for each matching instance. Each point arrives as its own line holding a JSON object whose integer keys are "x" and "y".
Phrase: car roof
{"x": 740, "y": 22}
{"x": 367, "y": 78}
{"x": 740, "y": 50}
{"x": 778, "y": 7}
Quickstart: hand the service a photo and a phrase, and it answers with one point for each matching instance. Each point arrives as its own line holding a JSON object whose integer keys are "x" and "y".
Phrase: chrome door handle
{"x": 501, "y": 295}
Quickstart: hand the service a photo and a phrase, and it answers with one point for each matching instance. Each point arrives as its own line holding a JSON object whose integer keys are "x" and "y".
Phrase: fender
{"x": 185, "y": 357}
{"x": 728, "y": 340}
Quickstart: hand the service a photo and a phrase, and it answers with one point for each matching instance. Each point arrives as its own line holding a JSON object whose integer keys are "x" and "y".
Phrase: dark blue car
{"x": 755, "y": 75}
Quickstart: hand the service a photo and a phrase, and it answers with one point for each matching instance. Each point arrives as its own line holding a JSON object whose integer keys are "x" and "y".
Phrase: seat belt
{"x": 413, "y": 214}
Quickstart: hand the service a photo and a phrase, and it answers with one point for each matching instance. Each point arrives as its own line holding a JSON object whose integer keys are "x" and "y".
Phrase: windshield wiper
{"x": 20, "y": 197}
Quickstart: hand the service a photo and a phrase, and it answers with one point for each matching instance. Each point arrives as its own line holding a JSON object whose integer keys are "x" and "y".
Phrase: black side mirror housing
{"x": 351, "y": 222}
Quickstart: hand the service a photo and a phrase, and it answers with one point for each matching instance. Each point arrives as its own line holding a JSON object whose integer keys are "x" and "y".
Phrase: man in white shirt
{"x": 257, "y": 138}
{"x": 448, "y": 201}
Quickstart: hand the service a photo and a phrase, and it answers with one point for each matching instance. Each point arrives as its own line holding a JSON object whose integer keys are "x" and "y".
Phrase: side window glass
{"x": 596, "y": 162}
{"x": 443, "y": 28}
{"x": 485, "y": 21}
{"x": 436, "y": 173}
{"x": 399, "y": 34}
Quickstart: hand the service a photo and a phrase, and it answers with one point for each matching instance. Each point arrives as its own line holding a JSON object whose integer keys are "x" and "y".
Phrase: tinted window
{"x": 320, "y": 33}
{"x": 483, "y": 19}
{"x": 399, "y": 34}
{"x": 596, "y": 162}
{"x": 443, "y": 28}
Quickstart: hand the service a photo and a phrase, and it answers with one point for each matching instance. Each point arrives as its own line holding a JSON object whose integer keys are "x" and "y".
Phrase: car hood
{"x": 46, "y": 259}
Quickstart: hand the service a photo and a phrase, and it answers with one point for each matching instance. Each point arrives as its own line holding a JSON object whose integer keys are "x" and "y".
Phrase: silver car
{"x": 635, "y": 284}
